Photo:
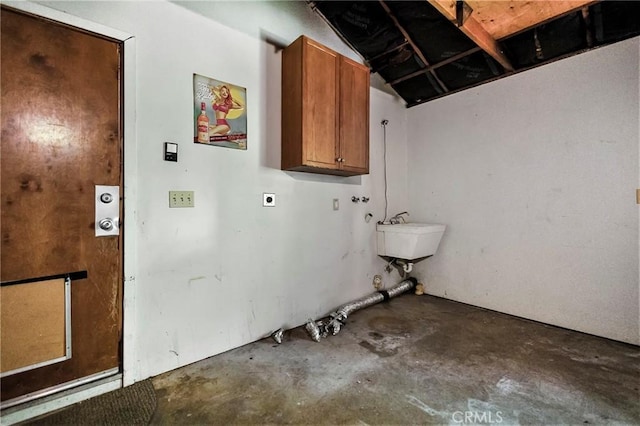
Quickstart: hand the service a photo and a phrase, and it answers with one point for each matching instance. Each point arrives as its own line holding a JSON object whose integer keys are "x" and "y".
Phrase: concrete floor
{"x": 413, "y": 360}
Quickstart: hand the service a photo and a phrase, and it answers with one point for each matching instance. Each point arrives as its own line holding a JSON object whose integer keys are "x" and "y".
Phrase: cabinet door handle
{"x": 340, "y": 160}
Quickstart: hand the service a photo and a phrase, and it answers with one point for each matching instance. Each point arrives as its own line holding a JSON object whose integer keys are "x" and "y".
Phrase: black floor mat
{"x": 133, "y": 405}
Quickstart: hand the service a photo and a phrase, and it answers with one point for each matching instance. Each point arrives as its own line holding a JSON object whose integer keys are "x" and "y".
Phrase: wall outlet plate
{"x": 268, "y": 200}
{"x": 336, "y": 204}
{"x": 178, "y": 199}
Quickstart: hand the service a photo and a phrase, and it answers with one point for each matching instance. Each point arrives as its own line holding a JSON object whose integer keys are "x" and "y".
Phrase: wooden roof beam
{"x": 475, "y": 31}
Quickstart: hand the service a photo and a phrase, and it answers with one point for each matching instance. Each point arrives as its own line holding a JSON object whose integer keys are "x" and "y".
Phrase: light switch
{"x": 181, "y": 199}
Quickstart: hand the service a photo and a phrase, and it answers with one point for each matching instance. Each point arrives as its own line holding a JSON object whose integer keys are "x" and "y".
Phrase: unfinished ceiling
{"x": 427, "y": 49}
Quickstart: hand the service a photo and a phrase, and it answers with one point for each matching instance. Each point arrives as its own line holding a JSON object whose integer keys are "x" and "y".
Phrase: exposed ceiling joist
{"x": 436, "y": 66}
{"x": 475, "y": 31}
{"x": 417, "y": 48}
{"x": 413, "y": 45}
{"x": 587, "y": 22}
{"x": 386, "y": 52}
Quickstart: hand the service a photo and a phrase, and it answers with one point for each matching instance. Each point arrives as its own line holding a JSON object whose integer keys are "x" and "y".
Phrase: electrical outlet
{"x": 181, "y": 199}
{"x": 377, "y": 282}
{"x": 268, "y": 200}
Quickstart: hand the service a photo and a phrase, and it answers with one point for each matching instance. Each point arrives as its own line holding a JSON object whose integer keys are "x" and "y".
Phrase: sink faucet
{"x": 398, "y": 218}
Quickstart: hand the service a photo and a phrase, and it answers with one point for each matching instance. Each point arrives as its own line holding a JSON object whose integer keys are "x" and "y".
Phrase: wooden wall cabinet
{"x": 325, "y": 111}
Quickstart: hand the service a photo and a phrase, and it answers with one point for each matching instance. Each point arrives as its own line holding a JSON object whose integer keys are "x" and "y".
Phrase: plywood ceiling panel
{"x": 503, "y": 18}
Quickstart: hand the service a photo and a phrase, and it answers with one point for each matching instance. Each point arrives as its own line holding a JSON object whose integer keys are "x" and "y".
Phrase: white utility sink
{"x": 409, "y": 240}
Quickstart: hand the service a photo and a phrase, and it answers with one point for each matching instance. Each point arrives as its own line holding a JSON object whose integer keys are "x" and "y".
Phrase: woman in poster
{"x": 222, "y": 103}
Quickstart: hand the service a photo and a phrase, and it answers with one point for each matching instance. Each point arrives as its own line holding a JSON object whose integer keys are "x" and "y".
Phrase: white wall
{"x": 230, "y": 271}
{"x": 531, "y": 173}
{"x": 277, "y": 21}
{"x": 535, "y": 177}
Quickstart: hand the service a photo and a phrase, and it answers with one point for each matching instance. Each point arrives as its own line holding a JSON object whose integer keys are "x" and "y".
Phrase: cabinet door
{"x": 320, "y": 106}
{"x": 354, "y": 117}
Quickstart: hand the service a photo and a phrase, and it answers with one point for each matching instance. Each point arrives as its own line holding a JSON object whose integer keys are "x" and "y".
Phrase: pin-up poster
{"x": 219, "y": 113}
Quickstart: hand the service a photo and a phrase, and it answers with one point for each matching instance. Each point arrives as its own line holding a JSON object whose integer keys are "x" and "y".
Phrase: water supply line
{"x": 384, "y": 123}
{"x": 402, "y": 266}
{"x": 337, "y": 319}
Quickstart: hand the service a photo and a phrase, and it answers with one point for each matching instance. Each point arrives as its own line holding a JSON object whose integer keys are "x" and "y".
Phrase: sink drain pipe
{"x": 336, "y": 319}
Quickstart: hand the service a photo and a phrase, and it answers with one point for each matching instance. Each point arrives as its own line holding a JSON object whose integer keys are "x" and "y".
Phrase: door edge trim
{"x": 66, "y": 18}
{"x": 71, "y": 385}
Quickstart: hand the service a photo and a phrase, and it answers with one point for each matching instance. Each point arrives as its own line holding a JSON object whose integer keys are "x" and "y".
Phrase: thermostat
{"x": 170, "y": 151}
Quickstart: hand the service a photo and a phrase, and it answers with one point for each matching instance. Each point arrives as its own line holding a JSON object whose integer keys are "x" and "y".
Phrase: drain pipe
{"x": 407, "y": 267}
{"x": 404, "y": 267}
{"x": 336, "y": 320}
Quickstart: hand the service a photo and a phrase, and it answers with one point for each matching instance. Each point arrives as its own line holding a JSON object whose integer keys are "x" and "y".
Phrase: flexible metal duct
{"x": 277, "y": 335}
{"x": 336, "y": 320}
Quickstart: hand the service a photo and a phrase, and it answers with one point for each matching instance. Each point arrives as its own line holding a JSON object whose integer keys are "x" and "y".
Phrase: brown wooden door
{"x": 354, "y": 117}
{"x": 61, "y": 135}
{"x": 320, "y": 105}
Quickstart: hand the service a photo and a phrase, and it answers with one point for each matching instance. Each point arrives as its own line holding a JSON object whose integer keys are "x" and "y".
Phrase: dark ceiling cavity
{"x": 423, "y": 55}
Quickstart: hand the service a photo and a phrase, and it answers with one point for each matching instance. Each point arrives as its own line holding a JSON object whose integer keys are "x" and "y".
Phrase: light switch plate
{"x": 336, "y": 204}
{"x": 181, "y": 199}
